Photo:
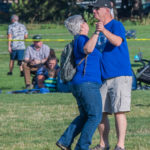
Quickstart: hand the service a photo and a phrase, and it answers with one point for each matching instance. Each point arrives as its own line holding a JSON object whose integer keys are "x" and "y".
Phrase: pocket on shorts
{"x": 128, "y": 80}
{"x": 127, "y": 86}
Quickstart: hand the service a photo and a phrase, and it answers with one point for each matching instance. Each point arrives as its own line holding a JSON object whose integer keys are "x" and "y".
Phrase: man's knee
{"x": 12, "y": 61}
{"x": 119, "y": 113}
{"x": 19, "y": 62}
{"x": 26, "y": 68}
{"x": 25, "y": 65}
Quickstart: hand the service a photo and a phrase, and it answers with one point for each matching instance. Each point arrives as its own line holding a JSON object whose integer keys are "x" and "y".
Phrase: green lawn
{"x": 36, "y": 121}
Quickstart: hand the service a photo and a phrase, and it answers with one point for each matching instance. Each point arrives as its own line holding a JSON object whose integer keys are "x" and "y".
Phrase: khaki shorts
{"x": 116, "y": 94}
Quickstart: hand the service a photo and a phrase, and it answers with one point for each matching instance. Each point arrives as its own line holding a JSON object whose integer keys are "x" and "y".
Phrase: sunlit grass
{"x": 36, "y": 121}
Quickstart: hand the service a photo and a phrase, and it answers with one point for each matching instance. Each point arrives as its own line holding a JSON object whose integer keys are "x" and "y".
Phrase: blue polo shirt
{"x": 93, "y": 66}
{"x": 115, "y": 59}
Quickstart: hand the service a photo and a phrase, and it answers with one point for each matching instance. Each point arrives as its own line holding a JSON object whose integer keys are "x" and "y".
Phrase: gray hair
{"x": 14, "y": 17}
{"x": 73, "y": 24}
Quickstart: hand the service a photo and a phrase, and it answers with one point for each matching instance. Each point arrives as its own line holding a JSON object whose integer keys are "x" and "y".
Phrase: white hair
{"x": 112, "y": 12}
{"x": 14, "y": 17}
{"x": 73, "y": 24}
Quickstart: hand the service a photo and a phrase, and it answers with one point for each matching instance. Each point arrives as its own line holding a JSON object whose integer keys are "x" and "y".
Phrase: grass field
{"x": 36, "y": 121}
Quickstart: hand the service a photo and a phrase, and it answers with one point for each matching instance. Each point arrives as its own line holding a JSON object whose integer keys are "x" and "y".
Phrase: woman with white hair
{"x": 85, "y": 88}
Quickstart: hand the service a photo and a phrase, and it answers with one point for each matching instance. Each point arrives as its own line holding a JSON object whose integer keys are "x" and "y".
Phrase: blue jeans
{"x": 90, "y": 108}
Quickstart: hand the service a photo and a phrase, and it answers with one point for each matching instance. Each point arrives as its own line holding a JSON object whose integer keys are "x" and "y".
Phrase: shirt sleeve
{"x": 119, "y": 30}
{"x": 27, "y": 54}
{"x": 9, "y": 30}
{"x": 81, "y": 42}
{"x": 25, "y": 31}
{"x": 47, "y": 51}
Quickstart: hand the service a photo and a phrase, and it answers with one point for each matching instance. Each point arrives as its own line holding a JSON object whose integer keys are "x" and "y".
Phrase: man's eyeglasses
{"x": 95, "y": 8}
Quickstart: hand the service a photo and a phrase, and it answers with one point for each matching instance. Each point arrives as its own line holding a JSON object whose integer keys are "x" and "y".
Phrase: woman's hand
{"x": 84, "y": 28}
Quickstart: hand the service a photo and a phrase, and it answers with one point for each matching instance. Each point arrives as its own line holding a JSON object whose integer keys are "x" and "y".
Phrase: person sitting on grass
{"x": 47, "y": 75}
{"x": 35, "y": 55}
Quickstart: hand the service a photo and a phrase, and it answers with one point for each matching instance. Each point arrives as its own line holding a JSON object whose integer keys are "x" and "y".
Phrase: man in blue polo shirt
{"x": 117, "y": 75}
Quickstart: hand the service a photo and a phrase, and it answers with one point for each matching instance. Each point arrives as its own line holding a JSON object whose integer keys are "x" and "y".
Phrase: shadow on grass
{"x": 141, "y": 105}
{"x": 5, "y": 88}
{"x": 136, "y": 65}
{"x": 23, "y": 87}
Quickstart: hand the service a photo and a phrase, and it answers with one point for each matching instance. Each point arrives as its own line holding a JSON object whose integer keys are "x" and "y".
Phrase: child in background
{"x": 47, "y": 75}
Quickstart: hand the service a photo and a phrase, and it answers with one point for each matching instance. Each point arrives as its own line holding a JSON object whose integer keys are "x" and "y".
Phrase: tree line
{"x": 58, "y": 10}
{"x": 42, "y": 10}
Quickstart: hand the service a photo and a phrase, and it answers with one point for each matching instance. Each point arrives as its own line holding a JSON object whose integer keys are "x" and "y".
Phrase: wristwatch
{"x": 96, "y": 32}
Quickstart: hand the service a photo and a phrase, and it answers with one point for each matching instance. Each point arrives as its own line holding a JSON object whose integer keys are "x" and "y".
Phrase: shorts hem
{"x": 114, "y": 112}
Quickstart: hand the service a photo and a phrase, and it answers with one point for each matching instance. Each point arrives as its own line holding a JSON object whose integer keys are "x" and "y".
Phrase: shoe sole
{"x": 62, "y": 147}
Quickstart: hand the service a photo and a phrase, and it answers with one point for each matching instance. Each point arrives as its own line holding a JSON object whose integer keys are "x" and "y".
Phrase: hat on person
{"x": 37, "y": 37}
{"x": 101, "y": 3}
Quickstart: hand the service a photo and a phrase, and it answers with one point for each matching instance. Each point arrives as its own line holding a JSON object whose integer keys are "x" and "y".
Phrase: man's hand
{"x": 112, "y": 38}
{"x": 35, "y": 62}
{"x": 100, "y": 26}
{"x": 9, "y": 50}
{"x": 32, "y": 63}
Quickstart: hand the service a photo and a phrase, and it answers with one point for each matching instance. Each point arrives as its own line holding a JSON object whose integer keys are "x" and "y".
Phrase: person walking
{"x": 16, "y": 31}
{"x": 85, "y": 88}
{"x": 117, "y": 74}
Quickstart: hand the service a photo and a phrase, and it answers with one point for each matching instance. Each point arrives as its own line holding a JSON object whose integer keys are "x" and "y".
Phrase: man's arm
{"x": 113, "y": 39}
{"x": 46, "y": 54}
{"x": 35, "y": 62}
{"x": 27, "y": 60}
{"x": 25, "y": 36}
{"x": 43, "y": 60}
{"x": 25, "y": 32}
{"x": 9, "y": 43}
{"x": 27, "y": 55}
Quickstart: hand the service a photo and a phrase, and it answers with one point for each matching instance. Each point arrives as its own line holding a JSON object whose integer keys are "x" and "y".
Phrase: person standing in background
{"x": 16, "y": 31}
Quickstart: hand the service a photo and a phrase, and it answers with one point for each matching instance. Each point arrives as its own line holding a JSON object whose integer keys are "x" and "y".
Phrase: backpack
{"x": 67, "y": 63}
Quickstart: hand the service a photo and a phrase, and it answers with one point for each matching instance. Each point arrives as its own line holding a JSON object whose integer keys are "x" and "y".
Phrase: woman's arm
{"x": 91, "y": 43}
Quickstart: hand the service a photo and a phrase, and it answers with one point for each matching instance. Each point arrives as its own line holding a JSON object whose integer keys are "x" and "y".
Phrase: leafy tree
{"x": 45, "y": 10}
